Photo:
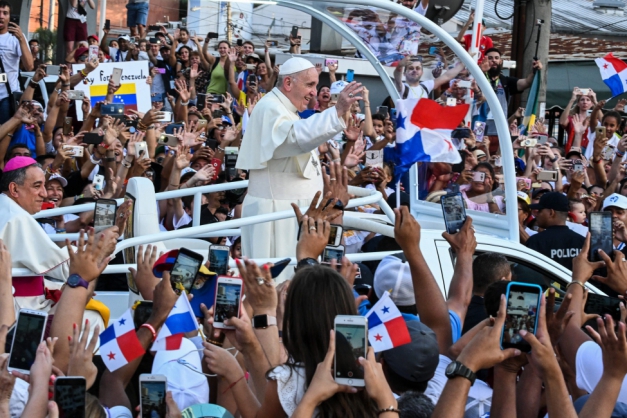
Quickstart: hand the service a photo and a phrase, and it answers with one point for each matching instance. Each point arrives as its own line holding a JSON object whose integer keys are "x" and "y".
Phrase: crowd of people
{"x": 301, "y": 143}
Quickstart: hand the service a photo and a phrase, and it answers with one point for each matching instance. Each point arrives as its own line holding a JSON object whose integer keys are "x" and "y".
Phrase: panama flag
{"x": 119, "y": 344}
{"x": 423, "y": 133}
{"x": 613, "y": 73}
{"x": 180, "y": 320}
{"x": 386, "y": 326}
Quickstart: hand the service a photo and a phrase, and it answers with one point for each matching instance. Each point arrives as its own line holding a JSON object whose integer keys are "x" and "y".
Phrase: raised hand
{"x": 81, "y": 353}
{"x": 88, "y": 261}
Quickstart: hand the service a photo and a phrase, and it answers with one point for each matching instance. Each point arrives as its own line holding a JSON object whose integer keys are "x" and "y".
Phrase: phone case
{"x": 537, "y": 313}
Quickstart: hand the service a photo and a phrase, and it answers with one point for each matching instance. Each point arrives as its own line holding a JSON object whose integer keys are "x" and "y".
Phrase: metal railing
{"x": 229, "y": 228}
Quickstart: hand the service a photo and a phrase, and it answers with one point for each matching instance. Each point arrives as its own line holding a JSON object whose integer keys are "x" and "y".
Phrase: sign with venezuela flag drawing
{"x": 133, "y": 91}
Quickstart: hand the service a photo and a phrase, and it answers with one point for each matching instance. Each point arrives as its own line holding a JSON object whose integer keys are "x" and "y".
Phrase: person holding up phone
{"x": 413, "y": 88}
{"x": 485, "y": 42}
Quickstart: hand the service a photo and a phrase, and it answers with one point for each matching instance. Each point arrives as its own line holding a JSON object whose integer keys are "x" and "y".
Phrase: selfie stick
{"x": 539, "y": 23}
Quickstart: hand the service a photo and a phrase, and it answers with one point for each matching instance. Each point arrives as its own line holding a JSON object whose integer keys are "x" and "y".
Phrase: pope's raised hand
{"x": 348, "y": 96}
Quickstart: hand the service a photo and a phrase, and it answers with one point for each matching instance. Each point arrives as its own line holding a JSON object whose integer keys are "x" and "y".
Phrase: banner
{"x": 133, "y": 91}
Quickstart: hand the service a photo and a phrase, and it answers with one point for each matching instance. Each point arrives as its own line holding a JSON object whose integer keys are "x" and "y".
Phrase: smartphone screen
{"x": 228, "y": 297}
{"x": 350, "y": 344}
{"x": 104, "y": 215}
{"x": 67, "y": 126}
{"x": 141, "y": 313}
{"x": 333, "y": 253}
{"x": 600, "y": 235}
{"x": 335, "y": 237}
{"x": 219, "y": 260}
{"x": 294, "y": 32}
{"x": 454, "y": 212}
{"x": 29, "y": 332}
{"x": 523, "y": 301}
{"x": 184, "y": 270}
{"x": 69, "y": 394}
{"x": 153, "y": 398}
{"x": 603, "y": 305}
{"x": 350, "y": 75}
{"x": 107, "y": 24}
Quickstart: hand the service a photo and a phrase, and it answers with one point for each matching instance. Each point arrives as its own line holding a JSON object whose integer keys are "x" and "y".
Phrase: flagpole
{"x": 476, "y": 29}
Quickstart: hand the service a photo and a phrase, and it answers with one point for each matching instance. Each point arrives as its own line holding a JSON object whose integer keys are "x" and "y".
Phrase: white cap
{"x": 187, "y": 170}
{"x": 295, "y": 65}
{"x": 393, "y": 275}
{"x": 183, "y": 369}
{"x": 338, "y": 86}
{"x": 59, "y": 178}
{"x": 616, "y": 200}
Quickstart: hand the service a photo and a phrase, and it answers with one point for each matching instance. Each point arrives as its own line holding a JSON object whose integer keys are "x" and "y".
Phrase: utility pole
{"x": 539, "y": 13}
{"x": 41, "y": 13}
{"x": 229, "y": 24}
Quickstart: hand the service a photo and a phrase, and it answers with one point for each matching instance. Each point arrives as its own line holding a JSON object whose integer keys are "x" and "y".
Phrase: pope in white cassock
{"x": 280, "y": 150}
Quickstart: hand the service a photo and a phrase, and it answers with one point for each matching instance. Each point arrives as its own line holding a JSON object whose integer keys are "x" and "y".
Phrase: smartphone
{"x": 464, "y": 84}
{"x": 183, "y": 22}
{"x": 333, "y": 253}
{"x": 350, "y": 75}
{"x": 15, "y": 19}
{"x": 433, "y": 50}
{"x": 112, "y": 109}
{"x": 526, "y": 180}
{"x": 213, "y": 35}
{"x": 69, "y": 394}
{"x": 211, "y": 143}
{"x": 278, "y": 267}
{"x": 498, "y": 162}
{"x": 218, "y": 98}
{"x": 335, "y": 237}
{"x": 93, "y": 52}
{"x": 228, "y": 300}
{"x": 272, "y": 43}
{"x": 374, "y": 158}
{"x": 184, "y": 271}
{"x": 104, "y": 215}
{"x": 93, "y": 138}
{"x": 67, "y": 126}
{"x": 478, "y": 176}
{"x": 172, "y": 127}
{"x": 219, "y": 259}
{"x": 393, "y": 115}
{"x": 334, "y": 97}
{"x": 578, "y": 166}
{"x": 29, "y": 332}
{"x": 167, "y": 117}
{"x": 530, "y": 142}
{"x": 600, "y": 132}
{"x": 351, "y": 342}
{"x": 252, "y": 79}
{"x": 584, "y": 92}
{"x": 53, "y": 70}
{"x": 294, "y": 32}
{"x": 454, "y": 212}
{"x": 542, "y": 139}
{"x": 74, "y": 150}
{"x": 201, "y": 125}
{"x": 98, "y": 182}
{"x": 201, "y": 101}
{"x": 523, "y": 303}
{"x": 383, "y": 111}
{"x": 116, "y": 76}
{"x": 603, "y": 305}
{"x": 451, "y": 101}
{"x": 154, "y": 28}
{"x": 330, "y": 61}
{"x": 169, "y": 140}
{"x": 141, "y": 313}
{"x": 75, "y": 94}
{"x": 107, "y": 25}
{"x": 141, "y": 150}
{"x": 601, "y": 232}
{"x": 547, "y": 175}
{"x": 608, "y": 153}
{"x": 154, "y": 41}
{"x": 152, "y": 389}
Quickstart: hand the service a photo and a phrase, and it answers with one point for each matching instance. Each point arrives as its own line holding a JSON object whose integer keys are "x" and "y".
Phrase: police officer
{"x": 557, "y": 241}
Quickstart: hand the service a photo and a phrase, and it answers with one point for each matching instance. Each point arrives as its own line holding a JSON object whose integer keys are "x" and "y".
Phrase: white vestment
{"x": 279, "y": 150}
{"x": 28, "y": 243}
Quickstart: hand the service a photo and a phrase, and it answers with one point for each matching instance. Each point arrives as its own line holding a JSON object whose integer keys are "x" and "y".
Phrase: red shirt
{"x": 484, "y": 45}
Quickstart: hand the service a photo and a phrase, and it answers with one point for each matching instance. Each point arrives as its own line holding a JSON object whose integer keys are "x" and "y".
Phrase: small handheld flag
{"x": 119, "y": 344}
{"x": 423, "y": 133}
{"x": 180, "y": 320}
{"x": 613, "y": 73}
{"x": 386, "y": 326}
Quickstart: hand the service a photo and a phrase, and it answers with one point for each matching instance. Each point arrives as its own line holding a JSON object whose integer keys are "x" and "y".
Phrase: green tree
{"x": 47, "y": 43}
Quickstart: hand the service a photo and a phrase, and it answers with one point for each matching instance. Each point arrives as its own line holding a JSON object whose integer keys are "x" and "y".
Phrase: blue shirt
{"x": 26, "y": 137}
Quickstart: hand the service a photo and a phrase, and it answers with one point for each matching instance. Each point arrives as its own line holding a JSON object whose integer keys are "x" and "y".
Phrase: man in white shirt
{"x": 413, "y": 88}
{"x": 13, "y": 50}
{"x": 279, "y": 150}
{"x": 116, "y": 54}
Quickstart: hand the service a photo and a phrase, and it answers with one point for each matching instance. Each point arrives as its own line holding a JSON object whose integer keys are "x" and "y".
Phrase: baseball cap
{"x": 79, "y": 52}
{"x": 118, "y": 412}
{"x": 187, "y": 170}
{"x": 478, "y": 153}
{"x": 164, "y": 263}
{"x": 125, "y": 37}
{"x": 574, "y": 151}
{"x": 338, "y": 86}
{"x": 393, "y": 275}
{"x": 206, "y": 410}
{"x": 418, "y": 360}
{"x": 94, "y": 36}
{"x": 183, "y": 370}
{"x": 18, "y": 162}
{"x": 616, "y": 200}
{"x": 225, "y": 119}
{"x": 59, "y": 178}
{"x": 253, "y": 55}
{"x": 552, "y": 200}
{"x": 524, "y": 197}
{"x": 404, "y": 199}
{"x": 538, "y": 192}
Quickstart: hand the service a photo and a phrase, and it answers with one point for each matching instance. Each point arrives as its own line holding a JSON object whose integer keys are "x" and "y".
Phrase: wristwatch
{"x": 305, "y": 262}
{"x": 263, "y": 321}
{"x": 75, "y": 280}
{"x": 457, "y": 369}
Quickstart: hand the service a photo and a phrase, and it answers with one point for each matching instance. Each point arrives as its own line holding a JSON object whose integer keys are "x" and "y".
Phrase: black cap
{"x": 417, "y": 360}
{"x": 552, "y": 200}
{"x": 392, "y": 199}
